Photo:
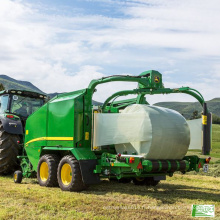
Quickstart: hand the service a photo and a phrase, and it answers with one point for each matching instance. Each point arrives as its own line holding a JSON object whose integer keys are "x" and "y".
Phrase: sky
{"x": 60, "y": 46}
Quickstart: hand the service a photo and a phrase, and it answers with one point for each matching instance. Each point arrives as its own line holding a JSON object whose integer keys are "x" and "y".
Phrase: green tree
{"x": 215, "y": 119}
{"x": 2, "y": 87}
{"x": 195, "y": 115}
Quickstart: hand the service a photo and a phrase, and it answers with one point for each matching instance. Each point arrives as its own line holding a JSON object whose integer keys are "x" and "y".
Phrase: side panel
{"x": 78, "y": 119}
{"x": 36, "y": 129}
{"x": 61, "y": 122}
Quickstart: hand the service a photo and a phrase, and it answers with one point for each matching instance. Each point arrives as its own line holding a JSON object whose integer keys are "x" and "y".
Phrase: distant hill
{"x": 10, "y": 83}
{"x": 187, "y": 108}
{"x": 184, "y": 108}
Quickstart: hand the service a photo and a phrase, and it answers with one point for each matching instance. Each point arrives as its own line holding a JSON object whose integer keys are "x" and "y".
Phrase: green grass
{"x": 215, "y": 151}
{"x": 214, "y": 166}
{"x": 109, "y": 200}
{"x": 215, "y": 141}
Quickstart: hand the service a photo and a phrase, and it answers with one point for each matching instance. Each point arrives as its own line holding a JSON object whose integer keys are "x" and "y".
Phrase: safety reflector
{"x": 131, "y": 160}
{"x": 140, "y": 166}
{"x": 207, "y": 160}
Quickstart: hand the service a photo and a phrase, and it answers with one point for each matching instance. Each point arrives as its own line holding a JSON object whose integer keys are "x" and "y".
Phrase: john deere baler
{"x": 72, "y": 143}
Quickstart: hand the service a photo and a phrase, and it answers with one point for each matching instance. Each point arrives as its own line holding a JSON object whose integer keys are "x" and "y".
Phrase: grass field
{"x": 171, "y": 199}
{"x": 216, "y": 141}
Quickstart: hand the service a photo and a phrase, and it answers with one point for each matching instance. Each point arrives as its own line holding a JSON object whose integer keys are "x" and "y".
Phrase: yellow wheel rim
{"x": 15, "y": 177}
{"x": 66, "y": 174}
{"x": 44, "y": 171}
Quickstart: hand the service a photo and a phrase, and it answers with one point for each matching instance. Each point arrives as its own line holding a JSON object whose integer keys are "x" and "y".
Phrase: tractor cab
{"x": 17, "y": 105}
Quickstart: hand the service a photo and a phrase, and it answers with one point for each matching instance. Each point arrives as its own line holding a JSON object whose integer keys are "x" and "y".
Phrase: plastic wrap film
{"x": 195, "y": 127}
{"x": 150, "y": 131}
{"x": 117, "y": 128}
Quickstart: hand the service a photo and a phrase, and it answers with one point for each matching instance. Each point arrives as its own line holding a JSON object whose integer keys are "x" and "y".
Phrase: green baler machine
{"x": 59, "y": 139}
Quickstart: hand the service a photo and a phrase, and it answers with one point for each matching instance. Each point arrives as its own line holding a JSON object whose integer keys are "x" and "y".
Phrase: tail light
{"x": 10, "y": 116}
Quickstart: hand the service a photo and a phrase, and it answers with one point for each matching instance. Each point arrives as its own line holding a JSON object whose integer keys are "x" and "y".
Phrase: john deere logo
{"x": 203, "y": 210}
{"x": 156, "y": 79}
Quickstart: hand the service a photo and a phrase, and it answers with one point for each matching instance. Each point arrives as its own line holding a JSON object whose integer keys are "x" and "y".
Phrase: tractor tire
{"x": 138, "y": 181}
{"x": 9, "y": 150}
{"x": 47, "y": 170}
{"x": 69, "y": 175}
{"x": 149, "y": 181}
{"x": 17, "y": 176}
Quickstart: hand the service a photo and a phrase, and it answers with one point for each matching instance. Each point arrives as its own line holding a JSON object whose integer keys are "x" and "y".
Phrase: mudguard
{"x": 87, "y": 167}
{"x": 12, "y": 126}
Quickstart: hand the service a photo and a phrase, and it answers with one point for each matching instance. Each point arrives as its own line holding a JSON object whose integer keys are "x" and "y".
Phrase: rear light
{"x": 131, "y": 160}
{"x": 208, "y": 160}
{"x": 200, "y": 165}
{"x": 10, "y": 116}
{"x": 18, "y": 142}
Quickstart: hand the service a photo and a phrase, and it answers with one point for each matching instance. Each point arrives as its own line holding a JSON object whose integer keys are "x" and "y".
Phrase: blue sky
{"x": 62, "y": 45}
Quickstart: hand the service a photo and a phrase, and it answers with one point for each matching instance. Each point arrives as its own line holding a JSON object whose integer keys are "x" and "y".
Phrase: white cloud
{"x": 64, "y": 53}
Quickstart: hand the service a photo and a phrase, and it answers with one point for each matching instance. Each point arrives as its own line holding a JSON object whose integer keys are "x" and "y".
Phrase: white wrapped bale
{"x": 168, "y": 134}
{"x": 150, "y": 131}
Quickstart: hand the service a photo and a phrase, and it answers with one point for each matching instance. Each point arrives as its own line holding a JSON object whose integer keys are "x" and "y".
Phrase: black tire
{"x": 69, "y": 175}
{"x": 47, "y": 170}
{"x": 139, "y": 180}
{"x": 17, "y": 176}
{"x": 149, "y": 181}
{"x": 9, "y": 150}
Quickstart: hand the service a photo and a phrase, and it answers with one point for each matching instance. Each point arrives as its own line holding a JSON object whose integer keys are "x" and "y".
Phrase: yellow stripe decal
{"x": 50, "y": 139}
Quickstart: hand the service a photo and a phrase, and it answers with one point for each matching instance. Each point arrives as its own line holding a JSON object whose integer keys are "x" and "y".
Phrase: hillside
{"x": 11, "y": 83}
{"x": 187, "y": 108}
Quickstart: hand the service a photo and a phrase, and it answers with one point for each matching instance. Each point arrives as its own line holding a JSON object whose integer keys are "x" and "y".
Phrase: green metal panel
{"x": 36, "y": 127}
{"x": 79, "y": 153}
{"x": 61, "y": 121}
{"x": 155, "y": 79}
{"x": 83, "y": 153}
{"x": 33, "y": 154}
{"x": 78, "y": 119}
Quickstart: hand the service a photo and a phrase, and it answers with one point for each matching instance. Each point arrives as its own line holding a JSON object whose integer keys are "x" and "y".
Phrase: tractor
{"x": 15, "y": 107}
